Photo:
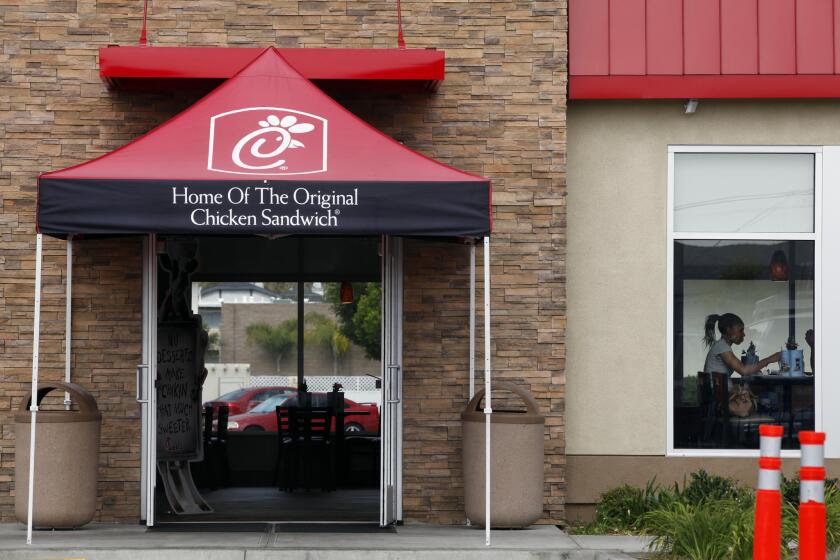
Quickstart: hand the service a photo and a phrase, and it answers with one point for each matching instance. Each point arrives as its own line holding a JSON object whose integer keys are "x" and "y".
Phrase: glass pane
{"x": 748, "y": 193}
{"x": 769, "y": 287}
{"x": 341, "y": 349}
{"x": 251, "y": 355}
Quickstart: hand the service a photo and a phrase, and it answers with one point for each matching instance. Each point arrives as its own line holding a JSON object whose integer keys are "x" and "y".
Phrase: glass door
{"x": 391, "y": 450}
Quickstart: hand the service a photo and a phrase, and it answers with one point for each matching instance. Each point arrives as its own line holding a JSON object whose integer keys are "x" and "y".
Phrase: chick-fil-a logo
{"x": 267, "y": 141}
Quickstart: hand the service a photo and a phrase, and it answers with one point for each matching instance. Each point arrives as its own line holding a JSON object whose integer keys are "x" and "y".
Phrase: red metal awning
{"x": 267, "y": 152}
{"x": 659, "y": 49}
{"x": 161, "y": 68}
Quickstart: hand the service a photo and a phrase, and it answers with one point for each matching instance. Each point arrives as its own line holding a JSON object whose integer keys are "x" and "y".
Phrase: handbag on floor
{"x": 742, "y": 401}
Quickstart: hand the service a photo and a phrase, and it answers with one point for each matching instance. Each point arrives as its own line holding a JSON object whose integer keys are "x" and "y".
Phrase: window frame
{"x": 672, "y": 236}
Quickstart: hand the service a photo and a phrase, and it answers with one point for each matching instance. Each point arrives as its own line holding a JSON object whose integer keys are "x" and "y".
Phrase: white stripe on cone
{"x": 812, "y": 455}
{"x": 769, "y": 479}
{"x": 771, "y": 446}
{"x": 811, "y": 491}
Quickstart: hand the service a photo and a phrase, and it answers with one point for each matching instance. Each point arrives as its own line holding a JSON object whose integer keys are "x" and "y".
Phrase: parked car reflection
{"x": 243, "y": 400}
{"x": 263, "y": 418}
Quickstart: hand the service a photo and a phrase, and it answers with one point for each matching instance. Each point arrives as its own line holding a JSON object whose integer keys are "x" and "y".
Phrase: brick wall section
{"x": 500, "y": 112}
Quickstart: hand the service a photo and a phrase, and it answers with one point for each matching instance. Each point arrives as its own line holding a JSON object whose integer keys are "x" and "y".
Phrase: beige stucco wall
{"x": 616, "y": 266}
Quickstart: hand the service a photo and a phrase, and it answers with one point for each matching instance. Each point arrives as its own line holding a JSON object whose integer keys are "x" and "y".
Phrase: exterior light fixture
{"x": 779, "y": 267}
{"x": 691, "y": 106}
{"x": 346, "y": 293}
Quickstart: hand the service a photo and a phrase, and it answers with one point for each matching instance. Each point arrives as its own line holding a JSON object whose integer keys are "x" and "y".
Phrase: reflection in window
{"x": 254, "y": 346}
{"x": 769, "y": 285}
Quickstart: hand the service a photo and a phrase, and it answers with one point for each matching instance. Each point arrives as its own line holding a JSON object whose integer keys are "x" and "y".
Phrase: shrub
{"x": 708, "y": 487}
{"x": 709, "y": 517}
{"x": 708, "y": 530}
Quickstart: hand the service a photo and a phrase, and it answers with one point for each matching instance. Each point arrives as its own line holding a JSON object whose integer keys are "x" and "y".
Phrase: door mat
{"x": 187, "y": 527}
{"x": 332, "y": 528}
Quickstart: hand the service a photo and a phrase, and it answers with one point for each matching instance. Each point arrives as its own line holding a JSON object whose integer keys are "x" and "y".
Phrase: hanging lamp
{"x": 346, "y": 293}
{"x": 779, "y": 267}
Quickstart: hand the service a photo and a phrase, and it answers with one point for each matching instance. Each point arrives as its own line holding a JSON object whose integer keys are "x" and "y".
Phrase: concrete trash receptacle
{"x": 66, "y": 459}
{"x": 517, "y": 455}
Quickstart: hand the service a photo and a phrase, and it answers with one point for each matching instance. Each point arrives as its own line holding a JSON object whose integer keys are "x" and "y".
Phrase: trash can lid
{"x": 87, "y": 411}
{"x": 474, "y": 413}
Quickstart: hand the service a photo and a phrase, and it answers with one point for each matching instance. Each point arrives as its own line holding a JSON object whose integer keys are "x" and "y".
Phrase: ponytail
{"x": 724, "y": 323}
{"x": 709, "y": 330}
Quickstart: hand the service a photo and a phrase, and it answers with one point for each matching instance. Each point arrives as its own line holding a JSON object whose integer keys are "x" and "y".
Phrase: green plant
{"x": 709, "y": 517}
{"x": 359, "y": 321}
{"x": 703, "y": 487}
{"x": 274, "y": 339}
{"x": 832, "y": 515}
{"x": 708, "y": 530}
{"x": 322, "y": 331}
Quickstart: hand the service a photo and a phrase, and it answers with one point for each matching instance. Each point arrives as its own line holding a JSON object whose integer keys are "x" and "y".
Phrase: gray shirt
{"x": 714, "y": 363}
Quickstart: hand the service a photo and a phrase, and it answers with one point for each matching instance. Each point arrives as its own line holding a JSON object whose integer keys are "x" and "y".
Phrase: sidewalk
{"x": 424, "y": 542}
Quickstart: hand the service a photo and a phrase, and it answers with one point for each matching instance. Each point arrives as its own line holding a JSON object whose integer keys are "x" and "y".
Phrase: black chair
{"x": 305, "y": 446}
{"x": 707, "y": 404}
{"x": 213, "y": 471}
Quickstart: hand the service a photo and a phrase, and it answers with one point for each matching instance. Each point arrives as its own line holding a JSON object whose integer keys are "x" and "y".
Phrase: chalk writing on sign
{"x": 178, "y": 391}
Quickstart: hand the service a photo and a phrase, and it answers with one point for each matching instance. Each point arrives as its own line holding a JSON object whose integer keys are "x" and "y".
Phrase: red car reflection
{"x": 243, "y": 400}
{"x": 263, "y": 418}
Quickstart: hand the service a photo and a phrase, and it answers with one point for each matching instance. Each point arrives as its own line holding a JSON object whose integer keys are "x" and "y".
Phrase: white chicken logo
{"x": 283, "y": 129}
{"x": 267, "y": 141}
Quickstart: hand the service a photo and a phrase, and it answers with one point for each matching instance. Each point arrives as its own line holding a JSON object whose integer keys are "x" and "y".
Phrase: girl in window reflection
{"x": 721, "y": 358}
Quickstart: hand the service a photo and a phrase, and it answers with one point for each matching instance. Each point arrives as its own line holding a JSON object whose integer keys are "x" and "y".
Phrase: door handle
{"x": 393, "y": 383}
{"x": 139, "y": 391}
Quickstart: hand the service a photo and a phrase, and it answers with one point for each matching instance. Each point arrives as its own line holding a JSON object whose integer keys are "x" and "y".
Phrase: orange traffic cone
{"x": 812, "y": 497}
{"x": 767, "y": 541}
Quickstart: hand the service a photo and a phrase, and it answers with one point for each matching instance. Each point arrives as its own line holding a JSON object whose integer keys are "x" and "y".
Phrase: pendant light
{"x": 779, "y": 267}
{"x": 346, "y": 293}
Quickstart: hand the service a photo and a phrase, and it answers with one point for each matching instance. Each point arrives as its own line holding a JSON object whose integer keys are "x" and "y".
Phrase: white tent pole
{"x": 472, "y": 320}
{"x": 33, "y": 406}
{"x": 68, "y": 319}
{"x": 488, "y": 409}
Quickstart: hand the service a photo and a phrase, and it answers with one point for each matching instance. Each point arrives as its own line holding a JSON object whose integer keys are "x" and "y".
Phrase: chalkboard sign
{"x": 180, "y": 366}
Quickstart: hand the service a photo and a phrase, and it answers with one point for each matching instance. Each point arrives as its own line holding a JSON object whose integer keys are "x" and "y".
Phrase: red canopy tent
{"x": 266, "y": 152}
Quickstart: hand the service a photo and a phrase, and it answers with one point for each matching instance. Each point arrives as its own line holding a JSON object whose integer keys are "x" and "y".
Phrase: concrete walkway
{"x": 424, "y": 542}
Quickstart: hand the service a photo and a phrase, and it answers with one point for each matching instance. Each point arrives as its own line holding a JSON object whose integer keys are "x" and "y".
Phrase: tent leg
{"x": 68, "y": 319}
{"x": 472, "y": 321}
{"x": 33, "y": 405}
{"x": 488, "y": 409}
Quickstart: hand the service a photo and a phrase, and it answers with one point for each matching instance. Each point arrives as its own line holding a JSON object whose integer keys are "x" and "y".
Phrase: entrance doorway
{"x": 300, "y": 409}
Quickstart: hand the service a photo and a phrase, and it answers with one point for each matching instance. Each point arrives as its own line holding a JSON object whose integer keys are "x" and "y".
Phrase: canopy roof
{"x": 266, "y": 152}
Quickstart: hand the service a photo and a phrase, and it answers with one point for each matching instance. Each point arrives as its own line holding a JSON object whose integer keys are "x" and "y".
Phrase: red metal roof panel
{"x": 777, "y": 37}
{"x": 664, "y": 37}
{"x": 702, "y": 36}
{"x": 796, "y": 40}
{"x": 815, "y": 37}
{"x": 589, "y": 37}
{"x": 627, "y": 37}
{"x": 739, "y": 36}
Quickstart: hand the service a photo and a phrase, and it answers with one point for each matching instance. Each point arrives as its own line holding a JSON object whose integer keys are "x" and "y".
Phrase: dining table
{"x": 782, "y": 384}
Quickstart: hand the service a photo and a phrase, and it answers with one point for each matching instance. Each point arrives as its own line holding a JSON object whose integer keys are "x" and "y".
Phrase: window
{"x": 742, "y": 234}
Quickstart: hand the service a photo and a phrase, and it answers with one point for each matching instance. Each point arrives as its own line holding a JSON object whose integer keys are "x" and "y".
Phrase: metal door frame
{"x": 391, "y": 413}
{"x": 146, "y": 374}
{"x": 390, "y": 484}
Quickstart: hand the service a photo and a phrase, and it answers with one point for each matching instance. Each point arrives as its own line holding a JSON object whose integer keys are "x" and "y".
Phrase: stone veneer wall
{"x": 500, "y": 112}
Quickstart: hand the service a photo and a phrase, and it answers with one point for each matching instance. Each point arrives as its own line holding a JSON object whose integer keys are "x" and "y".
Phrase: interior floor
{"x": 269, "y": 504}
